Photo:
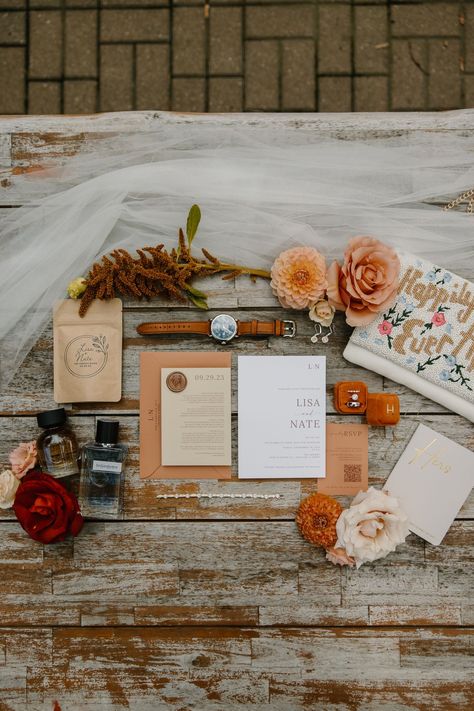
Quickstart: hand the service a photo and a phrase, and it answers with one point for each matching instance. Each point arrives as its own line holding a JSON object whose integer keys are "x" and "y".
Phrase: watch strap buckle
{"x": 289, "y": 329}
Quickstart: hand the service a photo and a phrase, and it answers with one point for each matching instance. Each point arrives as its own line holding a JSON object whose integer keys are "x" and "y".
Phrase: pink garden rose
{"x": 438, "y": 318}
{"x": 385, "y": 328}
{"x": 299, "y": 277}
{"x": 23, "y": 458}
{"x": 367, "y": 282}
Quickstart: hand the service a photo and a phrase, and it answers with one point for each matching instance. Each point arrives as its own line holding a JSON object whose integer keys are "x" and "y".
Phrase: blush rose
{"x": 23, "y": 458}
{"x": 367, "y": 282}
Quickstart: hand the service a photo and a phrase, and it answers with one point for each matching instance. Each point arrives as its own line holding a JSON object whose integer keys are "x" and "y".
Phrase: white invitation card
{"x": 431, "y": 480}
{"x": 282, "y": 417}
{"x": 195, "y": 416}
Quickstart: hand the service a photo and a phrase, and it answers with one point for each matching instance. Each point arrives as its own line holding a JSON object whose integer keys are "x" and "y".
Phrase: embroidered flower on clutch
{"x": 385, "y": 328}
{"x": 438, "y": 319}
{"x": 393, "y": 319}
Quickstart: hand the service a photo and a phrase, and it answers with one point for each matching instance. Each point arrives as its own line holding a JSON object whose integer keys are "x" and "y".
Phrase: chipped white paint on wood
{"x": 219, "y": 603}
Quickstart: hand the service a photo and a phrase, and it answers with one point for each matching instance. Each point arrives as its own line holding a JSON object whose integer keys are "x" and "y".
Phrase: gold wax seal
{"x": 176, "y": 381}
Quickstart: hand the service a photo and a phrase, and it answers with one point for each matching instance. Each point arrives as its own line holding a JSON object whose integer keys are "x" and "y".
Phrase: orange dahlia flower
{"x": 299, "y": 277}
{"x": 317, "y": 517}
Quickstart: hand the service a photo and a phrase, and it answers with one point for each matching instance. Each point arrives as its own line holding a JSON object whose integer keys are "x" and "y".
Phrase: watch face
{"x": 223, "y": 327}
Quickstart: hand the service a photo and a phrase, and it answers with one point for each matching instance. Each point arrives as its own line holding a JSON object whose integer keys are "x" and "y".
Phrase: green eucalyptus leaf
{"x": 200, "y": 303}
{"x": 195, "y": 292}
{"x": 192, "y": 224}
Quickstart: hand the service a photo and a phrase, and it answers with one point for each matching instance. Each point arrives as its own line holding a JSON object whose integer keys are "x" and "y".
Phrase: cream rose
{"x": 373, "y": 526}
{"x": 322, "y": 312}
{"x": 8, "y": 486}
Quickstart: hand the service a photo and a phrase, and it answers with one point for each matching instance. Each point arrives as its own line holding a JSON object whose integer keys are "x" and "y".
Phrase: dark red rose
{"x": 45, "y": 509}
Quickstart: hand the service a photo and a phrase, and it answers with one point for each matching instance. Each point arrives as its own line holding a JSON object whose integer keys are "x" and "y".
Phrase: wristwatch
{"x": 223, "y": 328}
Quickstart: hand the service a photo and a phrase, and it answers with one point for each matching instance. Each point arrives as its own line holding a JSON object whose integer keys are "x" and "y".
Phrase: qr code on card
{"x": 352, "y": 472}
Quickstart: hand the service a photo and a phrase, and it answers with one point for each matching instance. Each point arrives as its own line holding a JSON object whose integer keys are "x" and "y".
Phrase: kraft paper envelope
{"x": 150, "y": 413}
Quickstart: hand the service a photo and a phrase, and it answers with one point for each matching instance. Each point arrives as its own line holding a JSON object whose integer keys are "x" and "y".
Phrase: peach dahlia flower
{"x": 299, "y": 277}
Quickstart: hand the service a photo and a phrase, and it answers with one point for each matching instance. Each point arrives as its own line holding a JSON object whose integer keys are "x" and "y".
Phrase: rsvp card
{"x": 195, "y": 416}
{"x": 347, "y": 459}
{"x": 431, "y": 480}
{"x": 282, "y": 417}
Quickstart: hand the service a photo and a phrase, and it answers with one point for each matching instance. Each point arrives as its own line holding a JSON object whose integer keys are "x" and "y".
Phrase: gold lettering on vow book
{"x": 433, "y": 458}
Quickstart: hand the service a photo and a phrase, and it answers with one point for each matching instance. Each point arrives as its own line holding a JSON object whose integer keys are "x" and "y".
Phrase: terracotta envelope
{"x": 150, "y": 412}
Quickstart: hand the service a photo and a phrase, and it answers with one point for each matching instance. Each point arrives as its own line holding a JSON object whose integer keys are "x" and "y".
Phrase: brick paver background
{"x": 82, "y": 56}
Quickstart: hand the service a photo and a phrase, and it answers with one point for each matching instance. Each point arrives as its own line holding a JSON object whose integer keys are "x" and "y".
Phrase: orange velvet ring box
{"x": 383, "y": 409}
{"x": 352, "y": 397}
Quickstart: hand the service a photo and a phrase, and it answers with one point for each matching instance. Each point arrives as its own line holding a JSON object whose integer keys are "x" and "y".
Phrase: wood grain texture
{"x": 212, "y": 604}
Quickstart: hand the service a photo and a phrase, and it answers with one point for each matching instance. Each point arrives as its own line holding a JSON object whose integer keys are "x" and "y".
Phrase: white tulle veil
{"x": 260, "y": 190}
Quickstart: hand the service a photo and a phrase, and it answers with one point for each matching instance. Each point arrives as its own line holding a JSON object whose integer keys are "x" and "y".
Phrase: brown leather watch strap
{"x": 244, "y": 328}
{"x": 160, "y": 327}
{"x": 260, "y": 328}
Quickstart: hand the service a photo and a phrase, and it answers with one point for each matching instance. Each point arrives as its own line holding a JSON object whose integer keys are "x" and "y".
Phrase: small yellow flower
{"x": 76, "y": 288}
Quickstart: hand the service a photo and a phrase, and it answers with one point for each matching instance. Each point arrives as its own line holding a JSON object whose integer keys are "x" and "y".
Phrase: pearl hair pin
{"x": 219, "y": 496}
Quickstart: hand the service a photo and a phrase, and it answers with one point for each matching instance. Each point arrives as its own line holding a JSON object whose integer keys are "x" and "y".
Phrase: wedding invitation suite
{"x": 282, "y": 417}
{"x": 432, "y": 479}
{"x": 347, "y": 460}
{"x": 151, "y": 365}
{"x": 195, "y": 416}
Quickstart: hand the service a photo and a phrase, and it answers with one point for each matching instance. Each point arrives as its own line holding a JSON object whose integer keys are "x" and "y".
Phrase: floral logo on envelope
{"x": 86, "y": 356}
{"x": 430, "y": 328}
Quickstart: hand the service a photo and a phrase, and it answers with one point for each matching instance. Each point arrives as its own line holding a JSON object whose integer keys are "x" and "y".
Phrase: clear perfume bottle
{"x": 57, "y": 448}
{"x": 102, "y": 474}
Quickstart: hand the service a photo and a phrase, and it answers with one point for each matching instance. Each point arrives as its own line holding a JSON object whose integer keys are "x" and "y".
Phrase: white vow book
{"x": 282, "y": 417}
{"x": 431, "y": 480}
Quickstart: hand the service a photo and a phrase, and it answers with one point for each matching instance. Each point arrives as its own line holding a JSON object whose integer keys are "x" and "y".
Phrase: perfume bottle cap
{"x": 51, "y": 418}
{"x": 107, "y": 431}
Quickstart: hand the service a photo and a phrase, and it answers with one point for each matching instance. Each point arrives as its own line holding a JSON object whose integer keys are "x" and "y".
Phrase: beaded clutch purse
{"x": 426, "y": 339}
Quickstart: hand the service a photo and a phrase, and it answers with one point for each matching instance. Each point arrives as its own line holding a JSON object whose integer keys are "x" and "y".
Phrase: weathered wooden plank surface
{"x": 225, "y": 573}
{"x": 186, "y": 668}
{"x": 218, "y": 603}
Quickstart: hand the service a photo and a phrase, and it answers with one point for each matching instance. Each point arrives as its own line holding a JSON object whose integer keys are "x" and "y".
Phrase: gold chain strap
{"x": 468, "y": 195}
